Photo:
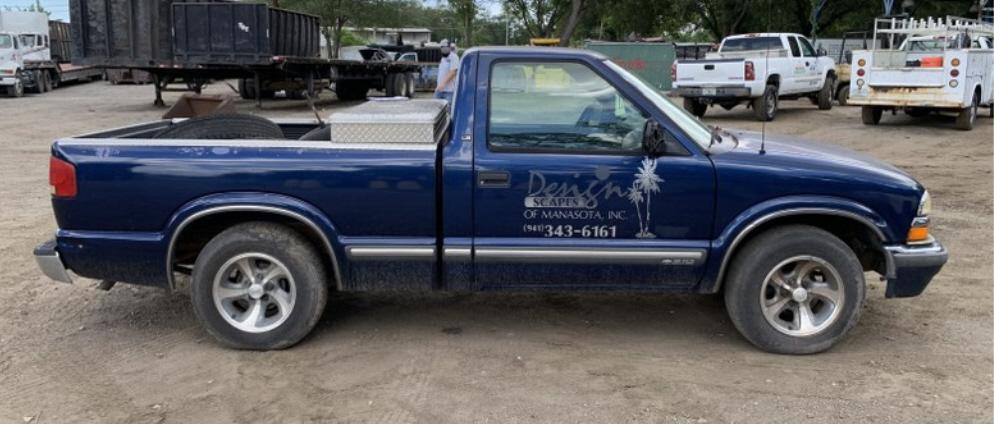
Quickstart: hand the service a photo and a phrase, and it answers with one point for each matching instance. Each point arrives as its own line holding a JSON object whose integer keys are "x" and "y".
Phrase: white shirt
{"x": 448, "y": 63}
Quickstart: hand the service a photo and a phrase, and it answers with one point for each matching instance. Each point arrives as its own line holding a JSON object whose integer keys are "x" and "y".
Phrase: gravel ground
{"x": 136, "y": 355}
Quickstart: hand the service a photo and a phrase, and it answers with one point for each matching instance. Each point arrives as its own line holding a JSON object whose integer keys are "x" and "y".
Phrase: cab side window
{"x": 549, "y": 106}
{"x": 795, "y": 50}
{"x": 806, "y": 47}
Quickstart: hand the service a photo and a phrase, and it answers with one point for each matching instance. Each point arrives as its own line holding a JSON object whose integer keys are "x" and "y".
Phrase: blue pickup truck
{"x": 555, "y": 170}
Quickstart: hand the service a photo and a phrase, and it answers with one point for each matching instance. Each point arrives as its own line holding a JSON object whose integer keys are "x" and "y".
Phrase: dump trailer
{"x": 192, "y": 42}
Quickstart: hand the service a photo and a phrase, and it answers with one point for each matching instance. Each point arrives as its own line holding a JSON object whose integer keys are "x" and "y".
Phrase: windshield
{"x": 6, "y": 42}
{"x": 751, "y": 43}
{"x": 693, "y": 127}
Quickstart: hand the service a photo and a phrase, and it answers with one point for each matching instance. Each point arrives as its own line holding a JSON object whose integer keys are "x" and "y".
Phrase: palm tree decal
{"x": 635, "y": 196}
{"x": 647, "y": 182}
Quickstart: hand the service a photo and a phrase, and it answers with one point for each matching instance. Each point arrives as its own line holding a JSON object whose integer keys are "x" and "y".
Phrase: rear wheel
{"x": 796, "y": 290}
{"x": 259, "y": 286}
{"x": 968, "y": 116}
{"x": 842, "y": 94}
{"x": 223, "y": 127}
{"x": 395, "y": 85}
{"x": 695, "y": 107}
{"x": 46, "y": 79}
{"x": 765, "y": 107}
{"x": 871, "y": 115}
{"x": 410, "y": 85}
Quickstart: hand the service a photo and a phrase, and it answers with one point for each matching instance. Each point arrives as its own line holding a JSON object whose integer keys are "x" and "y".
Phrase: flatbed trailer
{"x": 45, "y": 75}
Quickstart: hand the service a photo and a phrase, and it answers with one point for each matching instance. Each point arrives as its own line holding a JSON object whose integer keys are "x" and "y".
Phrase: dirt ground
{"x": 136, "y": 355}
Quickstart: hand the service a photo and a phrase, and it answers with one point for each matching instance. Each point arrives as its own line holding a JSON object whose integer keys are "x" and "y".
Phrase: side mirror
{"x": 821, "y": 51}
{"x": 653, "y": 138}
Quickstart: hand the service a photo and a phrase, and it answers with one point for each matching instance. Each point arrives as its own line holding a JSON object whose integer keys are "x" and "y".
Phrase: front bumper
{"x": 912, "y": 267}
{"x": 50, "y": 263}
{"x": 714, "y": 92}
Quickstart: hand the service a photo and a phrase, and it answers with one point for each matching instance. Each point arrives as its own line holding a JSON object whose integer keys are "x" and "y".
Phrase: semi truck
{"x": 581, "y": 176}
{"x": 33, "y": 54}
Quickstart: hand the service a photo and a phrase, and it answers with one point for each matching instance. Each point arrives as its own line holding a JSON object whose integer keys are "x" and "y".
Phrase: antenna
{"x": 769, "y": 13}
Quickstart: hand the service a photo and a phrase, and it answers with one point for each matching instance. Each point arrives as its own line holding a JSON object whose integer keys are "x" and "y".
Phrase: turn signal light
{"x": 917, "y": 234}
{"x": 862, "y": 62}
{"x": 955, "y": 62}
{"x": 62, "y": 177}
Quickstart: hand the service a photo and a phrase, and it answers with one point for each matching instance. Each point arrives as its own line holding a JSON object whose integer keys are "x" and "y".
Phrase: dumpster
{"x": 650, "y": 61}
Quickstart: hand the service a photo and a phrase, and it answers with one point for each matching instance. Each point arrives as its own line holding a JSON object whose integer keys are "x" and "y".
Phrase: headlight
{"x": 925, "y": 205}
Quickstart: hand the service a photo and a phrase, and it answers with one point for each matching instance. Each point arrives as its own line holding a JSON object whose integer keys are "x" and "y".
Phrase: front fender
{"x": 723, "y": 247}
{"x": 277, "y": 204}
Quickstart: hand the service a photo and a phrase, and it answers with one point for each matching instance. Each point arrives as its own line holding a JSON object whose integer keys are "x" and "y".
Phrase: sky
{"x": 60, "y": 8}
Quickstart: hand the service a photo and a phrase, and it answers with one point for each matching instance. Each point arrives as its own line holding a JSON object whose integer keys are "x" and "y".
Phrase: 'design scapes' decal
{"x": 550, "y": 201}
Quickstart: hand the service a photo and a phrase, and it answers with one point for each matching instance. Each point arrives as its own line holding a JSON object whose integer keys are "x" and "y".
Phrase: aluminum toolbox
{"x": 401, "y": 123}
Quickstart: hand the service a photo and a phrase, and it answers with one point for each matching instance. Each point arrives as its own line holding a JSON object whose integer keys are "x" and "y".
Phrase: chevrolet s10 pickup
{"x": 555, "y": 170}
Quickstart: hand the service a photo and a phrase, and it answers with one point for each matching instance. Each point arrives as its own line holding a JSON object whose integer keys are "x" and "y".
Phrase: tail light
{"x": 954, "y": 73}
{"x": 62, "y": 177}
{"x": 860, "y": 72}
{"x": 750, "y": 71}
{"x": 673, "y": 72}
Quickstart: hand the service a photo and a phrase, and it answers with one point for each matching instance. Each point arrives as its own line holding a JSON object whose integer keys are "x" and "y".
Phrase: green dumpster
{"x": 651, "y": 61}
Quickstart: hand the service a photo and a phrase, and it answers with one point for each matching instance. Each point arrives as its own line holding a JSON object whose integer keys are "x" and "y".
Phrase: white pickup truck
{"x": 938, "y": 66}
{"x": 758, "y": 69}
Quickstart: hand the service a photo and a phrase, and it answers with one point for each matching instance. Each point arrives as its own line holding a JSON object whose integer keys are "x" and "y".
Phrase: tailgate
{"x": 710, "y": 72}
{"x": 906, "y": 77}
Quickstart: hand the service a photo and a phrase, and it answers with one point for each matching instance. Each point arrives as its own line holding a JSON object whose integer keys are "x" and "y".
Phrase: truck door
{"x": 812, "y": 74}
{"x": 565, "y": 196}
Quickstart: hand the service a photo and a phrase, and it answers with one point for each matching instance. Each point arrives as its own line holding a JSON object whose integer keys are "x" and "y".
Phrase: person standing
{"x": 447, "y": 68}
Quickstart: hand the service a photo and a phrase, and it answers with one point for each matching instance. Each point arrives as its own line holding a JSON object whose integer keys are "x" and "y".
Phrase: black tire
{"x": 296, "y": 254}
{"x": 695, "y": 107}
{"x": 246, "y": 89}
{"x": 766, "y": 106}
{"x": 842, "y": 94}
{"x": 744, "y": 289}
{"x": 395, "y": 85}
{"x": 871, "y": 115}
{"x": 224, "y": 127}
{"x": 317, "y": 134}
{"x": 968, "y": 116}
{"x": 826, "y": 94}
{"x": 16, "y": 90}
{"x": 38, "y": 88}
{"x": 46, "y": 80}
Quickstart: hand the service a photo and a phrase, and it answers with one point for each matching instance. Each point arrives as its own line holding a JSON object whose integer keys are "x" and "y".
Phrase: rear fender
{"x": 276, "y": 204}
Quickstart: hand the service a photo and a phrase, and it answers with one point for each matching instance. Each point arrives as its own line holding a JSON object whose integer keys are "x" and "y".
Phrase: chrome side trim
{"x": 261, "y": 143}
{"x": 359, "y": 253}
{"x": 915, "y": 249}
{"x": 249, "y": 208}
{"x": 788, "y": 212}
{"x": 458, "y": 253}
{"x": 593, "y": 255}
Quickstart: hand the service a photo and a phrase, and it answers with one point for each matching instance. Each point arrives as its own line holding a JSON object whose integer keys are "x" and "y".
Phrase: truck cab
{"x": 556, "y": 170}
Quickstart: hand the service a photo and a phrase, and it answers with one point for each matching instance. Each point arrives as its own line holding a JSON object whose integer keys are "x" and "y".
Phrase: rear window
{"x": 751, "y": 43}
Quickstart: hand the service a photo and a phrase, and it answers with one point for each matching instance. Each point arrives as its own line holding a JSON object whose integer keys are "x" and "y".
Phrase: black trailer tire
{"x": 842, "y": 94}
{"x": 276, "y": 303}
{"x": 410, "y": 85}
{"x": 246, "y": 89}
{"x": 395, "y": 85}
{"x": 695, "y": 107}
{"x": 871, "y": 115}
{"x": 765, "y": 107}
{"x": 223, "y": 127}
{"x": 826, "y": 94}
{"x": 968, "y": 116}
{"x": 795, "y": 289}
{"x": 317, "y": 134}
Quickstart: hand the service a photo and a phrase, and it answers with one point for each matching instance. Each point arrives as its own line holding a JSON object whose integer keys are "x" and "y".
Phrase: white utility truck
{"x": 936, "y": 66}
{"x": 757, "y": 69}
{"x": 26, "y": 60}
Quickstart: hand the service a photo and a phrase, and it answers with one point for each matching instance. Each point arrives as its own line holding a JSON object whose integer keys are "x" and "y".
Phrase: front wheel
{"x": 795, "y": 290}
{"x": 259, "y": 286}
{"x": 16, "y": 90}
{"x": 826, "y": 94}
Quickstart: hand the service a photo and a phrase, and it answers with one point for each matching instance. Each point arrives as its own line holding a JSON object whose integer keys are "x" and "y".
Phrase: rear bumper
{"x": 7, "y": 81}
{"x": 714, "y": 92}
{"x": 913, "y": 268}
{"x": 51, "y": 263}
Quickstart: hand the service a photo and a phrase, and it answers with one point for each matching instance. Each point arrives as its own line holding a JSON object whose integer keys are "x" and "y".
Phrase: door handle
{"x": 493, "y": 179}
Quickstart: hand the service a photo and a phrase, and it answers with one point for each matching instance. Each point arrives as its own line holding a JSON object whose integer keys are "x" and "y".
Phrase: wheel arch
{"x": 197, "y": 222}
{"x": 773, "y": 79}
{"x": 857, "y": 226}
